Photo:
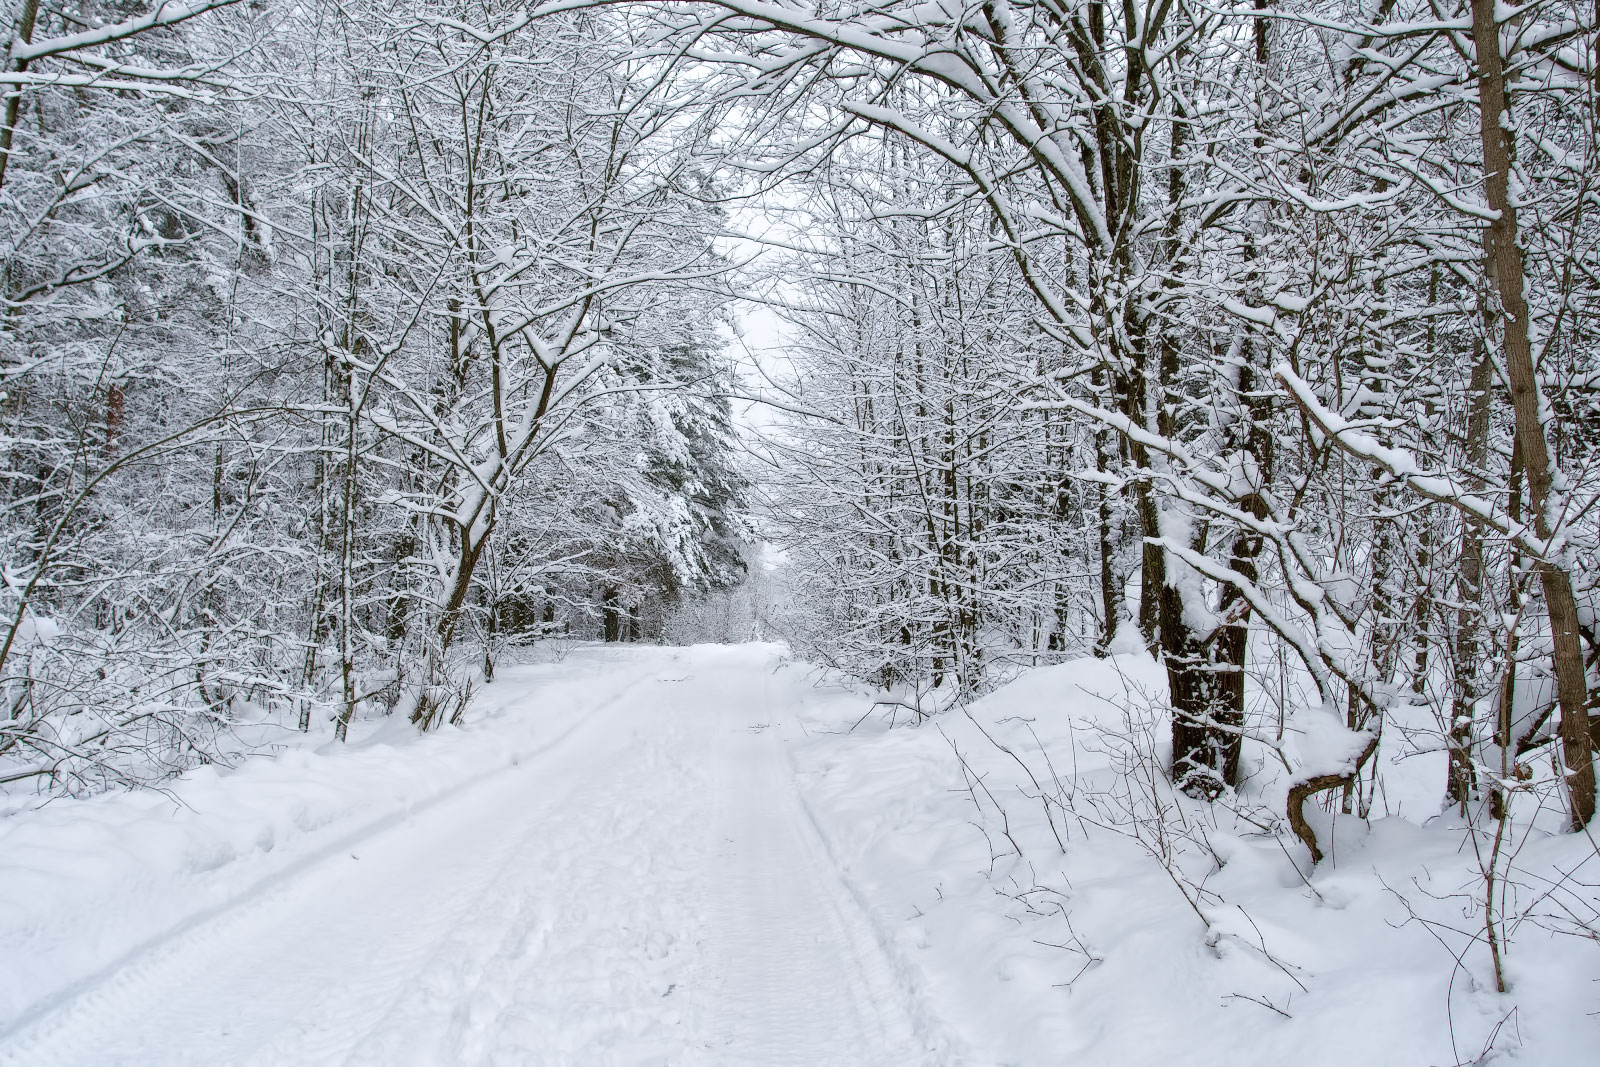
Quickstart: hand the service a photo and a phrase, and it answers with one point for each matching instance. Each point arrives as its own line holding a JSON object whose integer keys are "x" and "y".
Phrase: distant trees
{"x": 673, "y": 514}
{"x": 928, "y": 514}
{"x": 335, "y": 337}
{"x": 507, "y": 192}
{"x": 1279, "y": 255}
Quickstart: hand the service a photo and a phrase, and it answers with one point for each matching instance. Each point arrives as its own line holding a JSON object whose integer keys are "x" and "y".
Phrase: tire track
{"x": 46, "y": 1029}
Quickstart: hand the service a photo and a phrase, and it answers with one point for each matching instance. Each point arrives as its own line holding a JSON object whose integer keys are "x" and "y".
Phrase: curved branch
{"x": 1301, "y": 791}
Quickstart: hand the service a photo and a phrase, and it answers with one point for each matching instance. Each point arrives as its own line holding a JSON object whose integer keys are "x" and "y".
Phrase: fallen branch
{"x": 1300, "y": 792}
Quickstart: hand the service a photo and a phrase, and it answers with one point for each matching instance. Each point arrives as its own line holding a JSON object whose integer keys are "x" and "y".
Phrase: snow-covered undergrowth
{"x": 1059, "y": 903}
{"x": 87, "y": 885}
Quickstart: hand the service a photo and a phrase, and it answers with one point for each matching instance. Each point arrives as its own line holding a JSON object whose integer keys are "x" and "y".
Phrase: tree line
{"x": 1261, "y": 336}
{"x": 341, "y": 344}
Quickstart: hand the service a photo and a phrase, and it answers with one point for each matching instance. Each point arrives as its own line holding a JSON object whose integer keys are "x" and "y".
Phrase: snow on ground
{"x": 696, "y": 856}
{"x": 1137, "y": 927}
{"x": 609, "y": 864}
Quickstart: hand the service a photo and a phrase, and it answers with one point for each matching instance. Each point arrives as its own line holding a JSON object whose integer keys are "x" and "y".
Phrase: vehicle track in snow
{"x": 799, "y": 976}
{"x": 647, "y": 889}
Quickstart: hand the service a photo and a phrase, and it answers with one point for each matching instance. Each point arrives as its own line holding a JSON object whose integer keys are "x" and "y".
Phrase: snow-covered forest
{"x": 1246, "y": 353}
{"x": 342, "y": 343}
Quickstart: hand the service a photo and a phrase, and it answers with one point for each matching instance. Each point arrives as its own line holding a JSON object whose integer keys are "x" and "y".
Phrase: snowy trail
{"x": 648, "y": 889}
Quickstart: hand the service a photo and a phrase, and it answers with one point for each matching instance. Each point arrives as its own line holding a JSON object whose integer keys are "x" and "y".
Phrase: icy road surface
{"x": 644, "y": 886}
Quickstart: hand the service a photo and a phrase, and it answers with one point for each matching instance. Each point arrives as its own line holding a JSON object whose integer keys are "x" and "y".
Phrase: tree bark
{"x": 13, "y": 110}
{"x": 1504, "y": 260}
{"x": 1463, "y": 778}
{"x": 1110, "y": 583}
{"x": 612, "y": 613}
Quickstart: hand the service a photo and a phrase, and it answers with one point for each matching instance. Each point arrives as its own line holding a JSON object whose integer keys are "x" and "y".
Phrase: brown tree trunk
{"x": 13, "y": 110}
{"x": 116, "y": 411}
{"x": 1110, "y": 583}
{"x": 1507, "y": 275}
{"x": 430, "y": 708}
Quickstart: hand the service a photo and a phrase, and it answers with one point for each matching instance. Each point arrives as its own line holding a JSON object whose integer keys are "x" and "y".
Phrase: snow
{"x": 1263, "y": 316}
{"x": 653, "y": 855}
{"x": 608, "y": 864}
{"x": 92, "y": 885}
{"x": 1096, "y": 955}
{"x": 1324, "y": 744}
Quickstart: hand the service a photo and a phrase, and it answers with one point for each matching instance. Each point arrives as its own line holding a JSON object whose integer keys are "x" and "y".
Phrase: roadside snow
{"x": 1163, "y": 930}
{"x": 87, "y": 886}
{"x": 695, "y": 856}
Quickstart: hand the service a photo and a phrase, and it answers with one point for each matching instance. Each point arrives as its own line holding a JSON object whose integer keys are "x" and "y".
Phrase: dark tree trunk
{"x": 611, "y": 613}
{"x": 491, "y": 628}
{"x": 1205, "y": 689}
{"x": 1463, "y": 778}
{"x": 1110, "y": 581}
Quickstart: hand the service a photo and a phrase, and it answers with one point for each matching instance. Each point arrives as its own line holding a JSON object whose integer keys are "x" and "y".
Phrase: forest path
{"x": 647, "y": 889}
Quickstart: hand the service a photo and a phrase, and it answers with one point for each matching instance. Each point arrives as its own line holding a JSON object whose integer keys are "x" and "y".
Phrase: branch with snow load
{"x": 166, "y": 14}
{"x": 1323, "y": 652}
{"x": 1404, "y": 467}
{"x": 1302, "y": 788}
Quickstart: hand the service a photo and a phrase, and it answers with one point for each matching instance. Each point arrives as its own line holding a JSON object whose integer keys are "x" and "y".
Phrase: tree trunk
{"x": 611, "y": 613}
{"x": 429, "y": 710}
{"x": 1463, "y": 777}
{"x": 347, "y": 591}
{"x": 1504, "y": 260}
{"x": 1110, "y": 582}
{"x": 13, "y": 109}
{"x": 491, "y": 633}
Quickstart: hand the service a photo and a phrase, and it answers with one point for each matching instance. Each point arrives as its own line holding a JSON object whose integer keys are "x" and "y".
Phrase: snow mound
{"x": 1059, "y": 903}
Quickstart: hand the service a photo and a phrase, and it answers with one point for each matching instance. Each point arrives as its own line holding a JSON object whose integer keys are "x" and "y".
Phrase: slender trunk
{"x": 1463, "y": 780}
{"x": 1504, "y": 259}
{"x": 1110, "y": 585}
{"x": 491, "y": 633}
{"x": 611, "y": 613}
{"x": 347, "y": 621}
{"x": 430, "y": 709}
{"x": 30, "y": 16}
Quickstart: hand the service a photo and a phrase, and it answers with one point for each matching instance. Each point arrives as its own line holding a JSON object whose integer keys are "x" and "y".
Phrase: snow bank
{"x": 86, "y": 885}
{"x": 1163, "y": 930}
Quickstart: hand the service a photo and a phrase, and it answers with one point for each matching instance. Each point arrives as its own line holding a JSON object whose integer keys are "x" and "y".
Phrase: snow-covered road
{"x": 656, "y": 856}
{"x": 644, "y": 887}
